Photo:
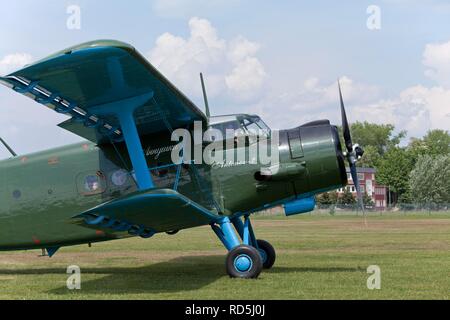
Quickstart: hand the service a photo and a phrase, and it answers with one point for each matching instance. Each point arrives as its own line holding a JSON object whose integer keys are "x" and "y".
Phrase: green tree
{"x": 379, "y": 136}
{"x": 370, "y": 159}
{"x": 334, "y": 197}
{"x": 323, "y": 199}
{"x": 429, "y": 181}
{"x": 393, "y": 171}
{"x": 367, "y": 200}
{"x": 327, "y": 198}
{"x": 347, "y": 197}
{"x": 434, "y": 143}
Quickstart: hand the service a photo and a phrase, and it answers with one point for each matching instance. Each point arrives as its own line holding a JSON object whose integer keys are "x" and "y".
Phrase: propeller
{"x": 354, "y": 151}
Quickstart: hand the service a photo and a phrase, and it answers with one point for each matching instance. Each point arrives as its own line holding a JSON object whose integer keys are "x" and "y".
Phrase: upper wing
{"x": 147, "y": 212}
{"x": 79, "y": 80}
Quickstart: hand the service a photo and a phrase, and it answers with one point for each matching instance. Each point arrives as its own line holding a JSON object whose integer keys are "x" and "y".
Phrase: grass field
{"x": 319, "y": 257}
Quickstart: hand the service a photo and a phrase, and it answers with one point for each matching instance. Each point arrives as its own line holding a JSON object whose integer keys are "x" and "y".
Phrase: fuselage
{"x": 41, "y": 192}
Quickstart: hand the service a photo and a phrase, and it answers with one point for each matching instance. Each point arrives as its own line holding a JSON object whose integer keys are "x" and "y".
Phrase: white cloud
{"x": 12, "y": 62}
{"x": 416, "y": 109}
{"x": 314, "y": 100}
{"x": 436, "y": 58}
{"x": 231, "y": 67}
{"x": 28, "y": 126}
{"x": 246, "y": 78}
{"x": 187, "y": 8}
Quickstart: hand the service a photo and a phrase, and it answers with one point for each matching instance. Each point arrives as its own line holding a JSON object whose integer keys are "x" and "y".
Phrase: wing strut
{"x": 124, "y": 111}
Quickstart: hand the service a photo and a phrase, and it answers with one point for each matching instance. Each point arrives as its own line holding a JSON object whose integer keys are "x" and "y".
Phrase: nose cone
{"x": 359, "y": 151}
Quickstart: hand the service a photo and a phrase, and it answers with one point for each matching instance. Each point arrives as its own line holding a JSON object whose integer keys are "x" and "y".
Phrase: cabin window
{"x": 119, "y": 177}
{"x": 91, "y": 183}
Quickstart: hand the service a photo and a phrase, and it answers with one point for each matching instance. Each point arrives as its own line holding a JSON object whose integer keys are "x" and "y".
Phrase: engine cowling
{"x": 311, "y": 158}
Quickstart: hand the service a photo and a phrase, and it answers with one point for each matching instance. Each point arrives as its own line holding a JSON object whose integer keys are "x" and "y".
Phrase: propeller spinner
{"x": 354, "y": 151}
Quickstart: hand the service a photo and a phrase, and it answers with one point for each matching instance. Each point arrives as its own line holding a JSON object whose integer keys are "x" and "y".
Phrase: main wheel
{"x": 267, "y": 253}
{"x": 244, "y": 262}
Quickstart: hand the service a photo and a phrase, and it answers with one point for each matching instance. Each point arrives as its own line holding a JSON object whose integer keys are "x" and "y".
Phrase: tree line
{"x": 417, "y": 172}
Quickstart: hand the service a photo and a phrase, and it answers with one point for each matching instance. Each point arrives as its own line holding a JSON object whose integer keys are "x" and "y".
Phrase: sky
{"x": 278, "y": 59}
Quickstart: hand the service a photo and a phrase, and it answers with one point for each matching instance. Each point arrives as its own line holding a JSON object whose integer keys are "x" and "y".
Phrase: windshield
{"x": 254, "y": 125}
{"x": 243, "y": 125}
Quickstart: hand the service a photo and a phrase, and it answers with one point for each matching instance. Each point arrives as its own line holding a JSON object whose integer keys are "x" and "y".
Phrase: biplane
{"x": 121, "y": 182}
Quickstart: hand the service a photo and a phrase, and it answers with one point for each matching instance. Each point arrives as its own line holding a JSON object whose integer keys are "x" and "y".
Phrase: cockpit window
{"x": 255, "y": 126}
{"x": 227, "y": 129}
{"x": 224, "y": 126}
{"x": 243, "y": 125}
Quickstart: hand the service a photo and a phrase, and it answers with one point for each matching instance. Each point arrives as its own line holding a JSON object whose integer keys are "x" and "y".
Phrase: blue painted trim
{"x": 164, "y": 166}
{"x": 136, "y": 230}
{"x": 245, "y": 230}
{"x": 110, "y": 223}
{"x": 51, "y": 251}
{"x": 299, "y": 206}
{"x": 26, "y": 89}
{"x": 243, "y": 263}
{"x": 94, "y": 221}
{"x": 65, "y": 110}
{"x": 246, "y": 239}
{"x": 48, "y": 100}
{"x": 238, "y": 225}
{"x": 124, "y": 110}
{"x": 283, "y": 201}
{"x": 177, "y": 178}
{"x": 88, "y": 123}
{"x": 253, "y": 241}
{"x": 135, "y": 150}
{"x": 148, "y": 234}
{"x": 226, "y": 234}
{"x": 178, "y": 172}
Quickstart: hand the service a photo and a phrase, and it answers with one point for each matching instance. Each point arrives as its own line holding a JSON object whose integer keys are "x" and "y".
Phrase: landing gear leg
{"x": 247, "y": 234}
{"x": 243, "y": 261}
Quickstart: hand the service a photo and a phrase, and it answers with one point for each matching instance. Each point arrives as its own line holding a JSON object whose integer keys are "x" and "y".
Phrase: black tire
{"x": 268, "y": 254}
{"x": 244, "y": 262}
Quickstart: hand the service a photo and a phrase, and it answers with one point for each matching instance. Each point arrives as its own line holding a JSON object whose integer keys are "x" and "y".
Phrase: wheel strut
{"x": 243, "y": 260}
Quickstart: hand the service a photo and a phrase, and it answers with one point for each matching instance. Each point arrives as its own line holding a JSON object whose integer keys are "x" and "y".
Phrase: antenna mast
{"x": 8, "y": 147}
{"x": 205, "y": 97}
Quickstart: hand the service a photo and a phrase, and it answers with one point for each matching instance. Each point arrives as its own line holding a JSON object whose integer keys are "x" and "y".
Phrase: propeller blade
{"x": 357, "y": 186}
{"x": 345, "y": 126}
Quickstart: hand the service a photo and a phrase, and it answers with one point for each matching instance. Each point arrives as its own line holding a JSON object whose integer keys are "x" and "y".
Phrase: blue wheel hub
{"x": 243, "y": 263}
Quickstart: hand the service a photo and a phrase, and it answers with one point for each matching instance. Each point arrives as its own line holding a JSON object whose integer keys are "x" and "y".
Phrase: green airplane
{"x": 123, "y": 182}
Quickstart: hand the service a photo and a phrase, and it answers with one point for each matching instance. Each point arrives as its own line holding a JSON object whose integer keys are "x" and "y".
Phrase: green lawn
{"x": 319, "y": 257}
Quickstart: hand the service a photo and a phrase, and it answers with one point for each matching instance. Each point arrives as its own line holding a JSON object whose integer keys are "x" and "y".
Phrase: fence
{"x": 354, "y": 210}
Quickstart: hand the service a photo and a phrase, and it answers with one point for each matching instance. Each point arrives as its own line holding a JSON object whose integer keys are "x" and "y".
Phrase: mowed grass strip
{"x": 318, "y": 257}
